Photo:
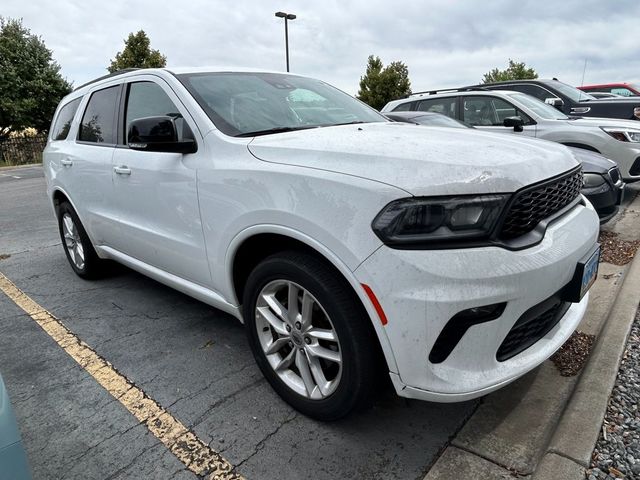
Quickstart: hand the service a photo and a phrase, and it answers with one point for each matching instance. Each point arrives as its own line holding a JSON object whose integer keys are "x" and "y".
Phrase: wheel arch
{"x": 258, "y": 242}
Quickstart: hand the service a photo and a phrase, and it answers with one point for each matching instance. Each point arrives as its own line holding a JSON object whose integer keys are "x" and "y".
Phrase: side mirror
{"x": 554, "y": 102}
{"x": 158, "y": 134}
{"x": 515, "y": 122}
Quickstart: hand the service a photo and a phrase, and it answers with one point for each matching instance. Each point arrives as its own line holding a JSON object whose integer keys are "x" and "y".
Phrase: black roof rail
{"x": 109, "y": 75}
{"x": 447, "y": 90}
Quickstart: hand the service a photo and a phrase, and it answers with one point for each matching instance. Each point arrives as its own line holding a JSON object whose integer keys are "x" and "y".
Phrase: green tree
{"x": 30, "y": 82}
{"x": 137, "y": 53}
{"x": 380, "y": 84}
{"x": 515, "y": 71}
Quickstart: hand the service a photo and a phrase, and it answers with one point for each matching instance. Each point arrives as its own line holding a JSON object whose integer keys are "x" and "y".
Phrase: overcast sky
{"x": 444, "y": 43}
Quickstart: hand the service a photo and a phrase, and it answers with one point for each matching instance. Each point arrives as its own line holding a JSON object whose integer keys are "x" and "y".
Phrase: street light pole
{"x": 287, "y": 17}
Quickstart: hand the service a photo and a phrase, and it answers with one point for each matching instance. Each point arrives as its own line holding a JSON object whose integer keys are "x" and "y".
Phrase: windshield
{"x": 247, "y": 104}
{"x": 438, "y": 121}
{"x": 572, "y": 92}
{"x": 538, "y": 107}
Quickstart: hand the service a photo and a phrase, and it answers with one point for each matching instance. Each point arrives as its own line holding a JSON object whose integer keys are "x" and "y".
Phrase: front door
{"x": 156, "y": 191}
{"x": 488, "y": 113}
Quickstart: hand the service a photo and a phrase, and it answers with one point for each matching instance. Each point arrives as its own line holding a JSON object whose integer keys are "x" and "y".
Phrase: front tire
{"x": 78, "y": 248}
{"x": 310, "y": 335}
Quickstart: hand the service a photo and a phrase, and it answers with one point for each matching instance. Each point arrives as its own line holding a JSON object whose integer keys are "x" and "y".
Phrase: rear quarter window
{"x": 62, "y": 125}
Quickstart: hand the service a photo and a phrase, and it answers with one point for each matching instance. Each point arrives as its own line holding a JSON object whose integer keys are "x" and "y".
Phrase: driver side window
{"x": 147, "y": 99}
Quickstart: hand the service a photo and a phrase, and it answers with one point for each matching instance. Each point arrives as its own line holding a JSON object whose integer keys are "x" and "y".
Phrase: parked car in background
{"x": 624, "y": 89}
{"x": 570, "y": 100}
{"x": 605, "y": 95}
{"x": 505, "y": 111}
{"x": 350, "y": 246}
{"x": 603, "y": 185}
{"x": 13, "y": 458}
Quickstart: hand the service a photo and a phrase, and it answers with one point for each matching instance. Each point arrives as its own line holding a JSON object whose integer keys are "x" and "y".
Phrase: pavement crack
{"x": 260, "y": 445}
{"x": 74, "y": 462}
{"x": 223, "y": 400}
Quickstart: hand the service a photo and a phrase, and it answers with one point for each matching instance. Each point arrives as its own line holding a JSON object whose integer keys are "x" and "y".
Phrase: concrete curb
{"x": 579, "y": 427}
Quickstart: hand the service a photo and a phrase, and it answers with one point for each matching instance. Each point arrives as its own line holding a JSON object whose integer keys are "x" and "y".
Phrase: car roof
{"x": 127, "y": 72}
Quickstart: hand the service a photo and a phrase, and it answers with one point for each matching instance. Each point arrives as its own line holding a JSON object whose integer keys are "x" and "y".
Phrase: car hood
{"x": 604, "y": 122}
{"x": 419, "y": 160}
{"x": 592, "y": 162}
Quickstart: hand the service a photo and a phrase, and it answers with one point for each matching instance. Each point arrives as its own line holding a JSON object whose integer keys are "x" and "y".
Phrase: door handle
{"x": 67, "y": 162}
{"x": 122, "y": 170}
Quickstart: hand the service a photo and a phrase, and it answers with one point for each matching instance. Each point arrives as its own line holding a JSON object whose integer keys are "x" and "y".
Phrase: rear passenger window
{"x": 60, "y": 129}
{"x": 446, "y": 106}
{"x": 99, "y": 119}
{"x": 147, "y": 99}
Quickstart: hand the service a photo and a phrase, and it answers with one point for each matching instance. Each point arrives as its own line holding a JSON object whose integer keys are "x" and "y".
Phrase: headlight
{"x": 592, "y": 180}
{"x": 421, "y": 220}
{"x": 623, "y": 134}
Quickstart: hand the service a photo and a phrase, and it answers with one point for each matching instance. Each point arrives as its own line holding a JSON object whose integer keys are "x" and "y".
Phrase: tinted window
{"x": 147, "y": 99}
{"x": 99, "y": 119}
{"x": 446, "y": 106}
{"x": 533, "y": 90}
{"x": 60, "y": 129}
{"x": 489, "y": 111}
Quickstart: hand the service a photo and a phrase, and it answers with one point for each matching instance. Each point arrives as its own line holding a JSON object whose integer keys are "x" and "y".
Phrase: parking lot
{"x": 191, "y": 359}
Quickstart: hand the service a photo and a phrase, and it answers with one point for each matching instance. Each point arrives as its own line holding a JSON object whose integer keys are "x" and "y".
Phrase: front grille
{"x": 537, "y": 202}
{"x": 614, "y": 174}
{"x": 635, "y": 168}
{"x": 531, "y": 327}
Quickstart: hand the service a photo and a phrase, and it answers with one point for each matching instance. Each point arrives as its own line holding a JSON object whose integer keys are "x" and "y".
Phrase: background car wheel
{"x": 77, "y": 246}
{"x": 310, "y": 335}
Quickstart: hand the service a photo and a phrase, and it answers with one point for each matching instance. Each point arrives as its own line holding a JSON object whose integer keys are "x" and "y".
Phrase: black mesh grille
{"x": 538, "y": 202}
{"x": 614, "y": 174}
{"x": 528, "y": 330}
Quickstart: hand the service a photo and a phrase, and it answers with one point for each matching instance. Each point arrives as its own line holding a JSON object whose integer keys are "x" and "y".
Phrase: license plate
{"x": 590, "y": 272}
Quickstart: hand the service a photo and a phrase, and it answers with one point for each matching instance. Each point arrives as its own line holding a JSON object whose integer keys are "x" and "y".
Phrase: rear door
{"x": 156, "y": 192}
{"x": 87, "y": 164}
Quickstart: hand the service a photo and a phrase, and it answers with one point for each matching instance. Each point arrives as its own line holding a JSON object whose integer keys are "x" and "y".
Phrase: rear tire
{"x": 318, "y": 354}
{"x": 78, "y": 248}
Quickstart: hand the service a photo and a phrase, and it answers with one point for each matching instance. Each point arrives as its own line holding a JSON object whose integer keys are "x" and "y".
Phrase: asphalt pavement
{"x": 191, "y": 359}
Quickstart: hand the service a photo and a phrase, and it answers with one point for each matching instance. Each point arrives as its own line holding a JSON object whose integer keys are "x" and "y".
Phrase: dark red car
{"x": 624, "y": 89}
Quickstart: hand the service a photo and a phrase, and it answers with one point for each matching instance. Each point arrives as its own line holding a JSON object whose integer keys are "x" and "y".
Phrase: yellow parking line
{"x": 196, "y": 455}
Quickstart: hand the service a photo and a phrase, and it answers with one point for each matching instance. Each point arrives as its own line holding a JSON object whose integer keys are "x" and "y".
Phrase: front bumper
{"x": 421, "y": 290}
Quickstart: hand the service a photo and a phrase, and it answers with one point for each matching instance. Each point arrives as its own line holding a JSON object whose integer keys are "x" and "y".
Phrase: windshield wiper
{"x": 346, "y": 123}
{"x": 269, "y": 131}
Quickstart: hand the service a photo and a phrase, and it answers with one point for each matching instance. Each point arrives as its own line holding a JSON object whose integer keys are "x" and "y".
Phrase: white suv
{"x": 350, "y": 246}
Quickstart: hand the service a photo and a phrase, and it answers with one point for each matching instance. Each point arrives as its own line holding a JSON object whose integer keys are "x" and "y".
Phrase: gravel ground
{"x": 573, "y": 354}
{"x": 615, "y": 250}
{"x": 617, "y": 452}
